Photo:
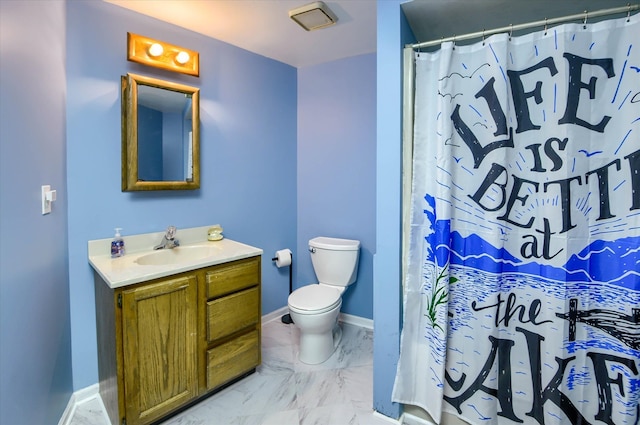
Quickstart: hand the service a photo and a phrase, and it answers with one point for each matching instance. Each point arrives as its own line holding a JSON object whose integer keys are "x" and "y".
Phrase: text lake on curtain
{"x": 522, "y": 297}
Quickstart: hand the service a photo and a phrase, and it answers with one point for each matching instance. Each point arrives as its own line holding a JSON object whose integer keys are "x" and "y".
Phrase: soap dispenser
{"x": 117, "y": 244}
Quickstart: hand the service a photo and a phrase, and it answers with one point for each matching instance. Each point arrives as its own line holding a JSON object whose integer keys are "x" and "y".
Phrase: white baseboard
{"x": 387, "y": 418}
{"x": 416, "y": 415}
{"x": 344, "y": 318}
{"x": 275, "y": 314}
{"x": 67, "y": 415}
{"x": 356, "y": 321}
{"x": 77, "y": 398}
{"x": 87, "y": 394}
{"x": 411, "y": 419}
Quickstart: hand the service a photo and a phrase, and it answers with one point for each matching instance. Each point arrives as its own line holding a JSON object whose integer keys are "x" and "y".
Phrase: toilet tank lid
{"x": 335, "y": 244}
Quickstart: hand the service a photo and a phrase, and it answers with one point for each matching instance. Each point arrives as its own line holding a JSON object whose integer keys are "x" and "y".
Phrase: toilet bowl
{"x": 315, "y": 308}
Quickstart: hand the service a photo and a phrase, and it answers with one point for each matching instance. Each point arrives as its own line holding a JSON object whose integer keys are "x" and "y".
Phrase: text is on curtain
{"x": 522, "y": 297}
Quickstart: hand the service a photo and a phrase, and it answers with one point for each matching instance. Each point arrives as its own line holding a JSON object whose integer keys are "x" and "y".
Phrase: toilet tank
{"x": 335, "y": 261}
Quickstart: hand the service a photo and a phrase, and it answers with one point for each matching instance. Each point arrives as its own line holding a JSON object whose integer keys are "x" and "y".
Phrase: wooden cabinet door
{"x": 160, "y": 348}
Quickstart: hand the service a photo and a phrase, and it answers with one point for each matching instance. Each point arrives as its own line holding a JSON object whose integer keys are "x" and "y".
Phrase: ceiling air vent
{"x": 313, "y": 16}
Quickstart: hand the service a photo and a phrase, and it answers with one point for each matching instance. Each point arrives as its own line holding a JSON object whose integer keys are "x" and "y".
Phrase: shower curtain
{"x": 522, "y": 291}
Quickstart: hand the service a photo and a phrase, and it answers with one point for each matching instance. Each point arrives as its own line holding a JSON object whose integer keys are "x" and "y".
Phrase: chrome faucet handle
{"x": 168, "y": 239}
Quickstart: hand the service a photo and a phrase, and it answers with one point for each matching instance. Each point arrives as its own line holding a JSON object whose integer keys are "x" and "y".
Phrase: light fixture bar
{"x": 159, "y": 54}
{"x": 313, "y": 16}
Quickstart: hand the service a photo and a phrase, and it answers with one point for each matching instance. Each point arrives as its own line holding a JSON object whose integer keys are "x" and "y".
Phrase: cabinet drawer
{"x": 233, "y": 277}
{"x": 232, "y": 359}
{"x": 232, "y": 313}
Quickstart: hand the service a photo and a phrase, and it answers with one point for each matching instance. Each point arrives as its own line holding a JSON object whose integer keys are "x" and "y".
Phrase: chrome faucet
{"x": 168, "y": 240}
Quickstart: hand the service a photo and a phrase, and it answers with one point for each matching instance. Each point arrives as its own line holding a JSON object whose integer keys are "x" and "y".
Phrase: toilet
{"x": 314, "y": 308}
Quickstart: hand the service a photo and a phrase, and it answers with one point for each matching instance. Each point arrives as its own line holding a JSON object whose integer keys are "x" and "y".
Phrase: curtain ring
{"x": 584, "y": 23}
{"x": 510, "y": 31}
{"x": 628, "y": 12}
{"x": 545, "y": 26}
{"x": 454, "y": 42}
{"x": 483, "y": 36}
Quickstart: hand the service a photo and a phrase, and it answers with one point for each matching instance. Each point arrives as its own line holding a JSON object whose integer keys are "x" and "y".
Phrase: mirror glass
{"x": 160, "y": 135}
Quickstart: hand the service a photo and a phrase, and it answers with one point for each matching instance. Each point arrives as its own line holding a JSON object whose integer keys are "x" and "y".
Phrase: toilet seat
{"x": 314, "y": 299}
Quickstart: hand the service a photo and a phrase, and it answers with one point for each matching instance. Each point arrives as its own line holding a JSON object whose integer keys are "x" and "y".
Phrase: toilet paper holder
{"x": 286, "y": 319}
{"x": 283, "y": 257}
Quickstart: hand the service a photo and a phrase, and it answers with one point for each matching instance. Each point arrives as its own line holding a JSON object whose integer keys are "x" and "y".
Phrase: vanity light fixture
{"x": 156, "y": 50}
{"x": 313, "y": 16}
{"x": 159, "y": 54}
{"x": 182, "y": 58}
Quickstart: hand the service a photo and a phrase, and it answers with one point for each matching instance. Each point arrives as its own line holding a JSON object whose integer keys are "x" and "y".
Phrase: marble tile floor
{"x": 284, "y": 391}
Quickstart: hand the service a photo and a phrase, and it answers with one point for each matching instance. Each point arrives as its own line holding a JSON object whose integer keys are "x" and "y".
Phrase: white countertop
{"x": 123, "y": 271}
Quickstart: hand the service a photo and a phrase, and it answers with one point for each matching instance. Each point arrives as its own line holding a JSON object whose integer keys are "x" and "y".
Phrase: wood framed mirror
{"x": 160, "y": 135}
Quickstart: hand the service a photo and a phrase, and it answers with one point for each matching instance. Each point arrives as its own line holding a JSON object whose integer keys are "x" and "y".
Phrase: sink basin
{"x": 178, "y": 255}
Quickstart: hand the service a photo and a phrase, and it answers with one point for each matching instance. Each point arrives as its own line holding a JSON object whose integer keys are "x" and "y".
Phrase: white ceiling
{"x": 264, "y": 26}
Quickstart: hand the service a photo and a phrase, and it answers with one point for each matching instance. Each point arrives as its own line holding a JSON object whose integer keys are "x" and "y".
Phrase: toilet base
{"x": 317, "y": 348}
{"x": 337, "y": 336}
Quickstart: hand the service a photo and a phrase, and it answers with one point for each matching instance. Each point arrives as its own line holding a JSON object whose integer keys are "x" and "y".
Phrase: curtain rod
{"x": 543, "y": 23}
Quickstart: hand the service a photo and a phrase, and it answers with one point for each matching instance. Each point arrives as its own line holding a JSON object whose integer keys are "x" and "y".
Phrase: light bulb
{"x": 156, "y": 50}
{"x": 182, "y": 58}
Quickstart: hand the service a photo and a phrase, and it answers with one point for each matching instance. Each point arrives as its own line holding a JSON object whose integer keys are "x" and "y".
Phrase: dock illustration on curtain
{"x": 522, "y": 297}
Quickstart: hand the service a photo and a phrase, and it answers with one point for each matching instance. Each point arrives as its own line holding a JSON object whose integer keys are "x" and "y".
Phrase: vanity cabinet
{"x": 159, "y": 347}
{"x": 165, "y": 343}
{"x": 231, "y": 318}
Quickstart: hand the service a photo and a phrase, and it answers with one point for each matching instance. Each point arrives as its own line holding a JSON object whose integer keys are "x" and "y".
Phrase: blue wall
{"x": 35, "y": 361}
{"x": 336, "y": 167}
{"x": 251, "y": 161}
{"x": 393, "y": 33}
{"x": 172, "y": 152}
{"x": 248, "y": 109}
{"x": 150, "y": 164}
